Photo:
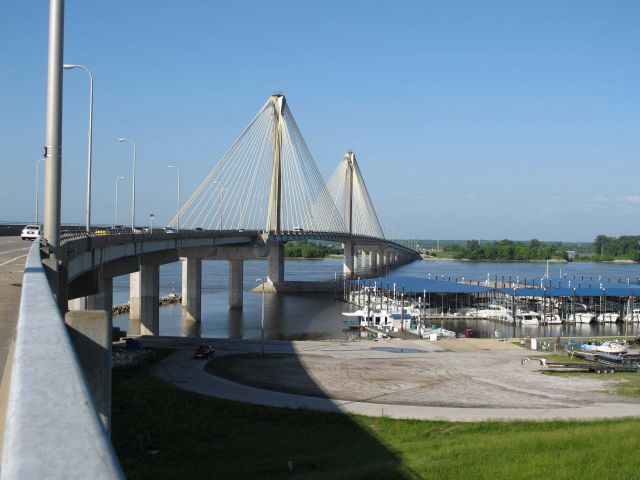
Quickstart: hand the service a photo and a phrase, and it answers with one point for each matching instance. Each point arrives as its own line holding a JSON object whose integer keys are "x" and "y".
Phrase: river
{"x": 319, "y": 316}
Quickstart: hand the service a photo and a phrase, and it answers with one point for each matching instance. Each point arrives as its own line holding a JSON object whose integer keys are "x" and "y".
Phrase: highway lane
{"x": 13, "y": 254}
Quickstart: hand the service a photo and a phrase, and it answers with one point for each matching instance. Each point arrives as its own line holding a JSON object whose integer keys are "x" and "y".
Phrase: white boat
{"x": 632, "y": 316}
{"x": 528, "y": 318}
{"x": 439, "y": 332}
{"x": 550, "y": 319}
{"x": 608, "y": 317}
{"x": 612, "y": 347}
{"x": 368, "y": 318}
{"x": 493, "y": 311}
{"x": 582, "y": 317}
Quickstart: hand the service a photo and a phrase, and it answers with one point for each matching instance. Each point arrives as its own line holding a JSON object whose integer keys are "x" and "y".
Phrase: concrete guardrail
{"x": 52, "y": 427}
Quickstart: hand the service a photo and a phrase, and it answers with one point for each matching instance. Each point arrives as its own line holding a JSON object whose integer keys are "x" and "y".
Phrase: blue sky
{"x": 470, "y": 119}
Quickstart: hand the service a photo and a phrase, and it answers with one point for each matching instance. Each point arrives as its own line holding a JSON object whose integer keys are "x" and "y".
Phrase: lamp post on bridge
{"x": 90, "y": 148}
{"x": 38, "y": 190}
{"x": 178, "y": 201}
{"x": 133, "y": 182}
{"x": 117, "y": 181}
{"x": 151, "y": 217}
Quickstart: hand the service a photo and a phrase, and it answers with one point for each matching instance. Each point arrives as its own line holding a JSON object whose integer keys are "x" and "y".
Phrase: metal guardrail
{"x": 52, "y": 428}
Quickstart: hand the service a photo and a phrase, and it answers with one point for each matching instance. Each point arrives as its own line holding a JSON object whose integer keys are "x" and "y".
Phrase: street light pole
{"x": 178, "y": 202}
{"x": 262, "y": 314}
{"x": 117, "y": 180}
{"x": 133, "y": 181}
{"x": 151, "y": 217}
{"x": 90, "y": 148}
{"x": 38, "y": 191}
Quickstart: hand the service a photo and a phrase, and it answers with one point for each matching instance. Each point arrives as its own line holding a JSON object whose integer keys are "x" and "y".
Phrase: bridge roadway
{"x": 13, "y": 252}
{"x": 91, "y": 261}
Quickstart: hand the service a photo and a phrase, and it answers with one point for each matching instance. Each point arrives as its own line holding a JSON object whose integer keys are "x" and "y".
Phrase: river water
{"x": 297, "y": 316}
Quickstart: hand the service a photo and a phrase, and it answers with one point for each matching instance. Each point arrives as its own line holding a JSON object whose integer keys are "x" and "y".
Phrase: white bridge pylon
{"x": 267, "y": 180}
{"x": 352, "y": 199}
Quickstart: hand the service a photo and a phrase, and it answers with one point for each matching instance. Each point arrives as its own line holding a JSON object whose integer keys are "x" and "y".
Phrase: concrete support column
{"x": 380, "y": 259}
{"x": 236, "y": 275}
{"x": 192, "y": 287}
{"x": 374, "y": 260}
{"x": 91, "y": 336}
{"x": 363, "y": 259}
{"x": 276, "y": 263}
{"x": 103, "y": 298}
{"x": 348, "y": 267}
{"x": 144, "y": 291}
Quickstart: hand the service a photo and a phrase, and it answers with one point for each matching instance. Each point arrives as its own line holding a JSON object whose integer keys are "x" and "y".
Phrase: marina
{"x": 319, "y": 316}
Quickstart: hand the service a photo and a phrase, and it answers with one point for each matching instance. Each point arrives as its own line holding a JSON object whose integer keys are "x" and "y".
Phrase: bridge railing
{"x": 52, "y": 428}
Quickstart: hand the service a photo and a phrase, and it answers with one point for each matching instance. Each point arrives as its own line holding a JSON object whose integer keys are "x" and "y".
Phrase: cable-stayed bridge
{"x": 265, "y": 191}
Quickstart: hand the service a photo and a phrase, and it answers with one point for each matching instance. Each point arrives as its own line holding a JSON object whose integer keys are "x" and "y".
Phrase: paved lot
{"x": 453, "y": 379}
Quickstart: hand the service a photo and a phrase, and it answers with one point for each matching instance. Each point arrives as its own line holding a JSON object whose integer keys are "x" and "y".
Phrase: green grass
{"x": 160, "y": 431}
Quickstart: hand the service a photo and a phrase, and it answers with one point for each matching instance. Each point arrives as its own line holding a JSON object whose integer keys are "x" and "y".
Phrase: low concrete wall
{"x": 52, "y": 429}
{"x": 299, "y": 287}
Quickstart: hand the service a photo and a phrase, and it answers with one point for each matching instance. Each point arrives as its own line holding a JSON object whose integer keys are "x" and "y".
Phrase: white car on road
{"x": 30, "y": 232}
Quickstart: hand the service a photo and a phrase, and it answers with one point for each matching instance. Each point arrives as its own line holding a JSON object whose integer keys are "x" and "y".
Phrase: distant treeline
{"x": 612, "y": 248}
{"x": 507, "y": 250}
{"x": 304, "y": 249}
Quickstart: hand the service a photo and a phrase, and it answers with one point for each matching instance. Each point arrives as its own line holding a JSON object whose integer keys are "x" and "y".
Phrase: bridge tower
{"x": 275, "y": 272}
{"x": 274, "y": 220}
{"x": 348, "y": 247}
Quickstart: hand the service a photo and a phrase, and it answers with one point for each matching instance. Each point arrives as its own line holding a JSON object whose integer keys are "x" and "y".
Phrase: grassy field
{"x": 160, "y": 431}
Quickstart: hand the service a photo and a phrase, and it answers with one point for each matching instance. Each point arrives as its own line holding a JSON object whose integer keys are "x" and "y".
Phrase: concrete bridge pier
{"x": 192, "y": 287}
{"x": 373, "y": 255}
{"x": 144, "y": 292}
{"x": 101, "y": 300}
{"x": 348, "y": 265}
{"x": 236, "y": 278}
{"x": 363, "y": 260}
{"x": 275, "y": 273}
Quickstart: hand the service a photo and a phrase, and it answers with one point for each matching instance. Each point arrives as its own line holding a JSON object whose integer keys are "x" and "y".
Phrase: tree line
{"x": 507, "y": 250}
{"x": 305, "y": 249}
{"x": 610, "y": 248}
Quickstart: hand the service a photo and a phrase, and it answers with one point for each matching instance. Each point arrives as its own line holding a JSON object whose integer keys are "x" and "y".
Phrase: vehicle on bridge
{"x": 30, "y": 232}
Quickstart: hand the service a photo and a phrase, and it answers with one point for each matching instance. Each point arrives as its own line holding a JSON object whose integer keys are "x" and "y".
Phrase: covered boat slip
{"x": 544, "y": 287}
{"x": 447, "y": 296}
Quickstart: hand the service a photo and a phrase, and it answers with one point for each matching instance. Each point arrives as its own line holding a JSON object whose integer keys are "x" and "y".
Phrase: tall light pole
{"x": 262, "y": 314}
{"x": 53, "y": 136}
{"x": 178, "y": 202}
{"x": 117, "y": 181}
{"x": 151, "y": 217}
{"x": 90, "y": 148}
{"x": 38, "y": 191}
{"x": 133, "y": 182}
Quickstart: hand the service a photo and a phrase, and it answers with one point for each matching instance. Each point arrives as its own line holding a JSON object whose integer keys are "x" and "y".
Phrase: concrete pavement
{"x": 13, "y": 254}
{"x": 465, "y": 381}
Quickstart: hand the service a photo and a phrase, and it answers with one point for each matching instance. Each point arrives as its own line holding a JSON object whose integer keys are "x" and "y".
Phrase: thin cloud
{"x": 633, "y": 198}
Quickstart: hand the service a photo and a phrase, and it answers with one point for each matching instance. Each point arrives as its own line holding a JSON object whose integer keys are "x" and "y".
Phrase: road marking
{"x": 16, "y": 250}
{"x": 14, "y": 258}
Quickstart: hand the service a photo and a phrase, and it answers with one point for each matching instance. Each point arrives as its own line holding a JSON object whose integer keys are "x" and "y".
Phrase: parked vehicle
{"x": 30, "y": 232}
{"x": 203, "y": 352}
{"x": 169, "y": 230}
